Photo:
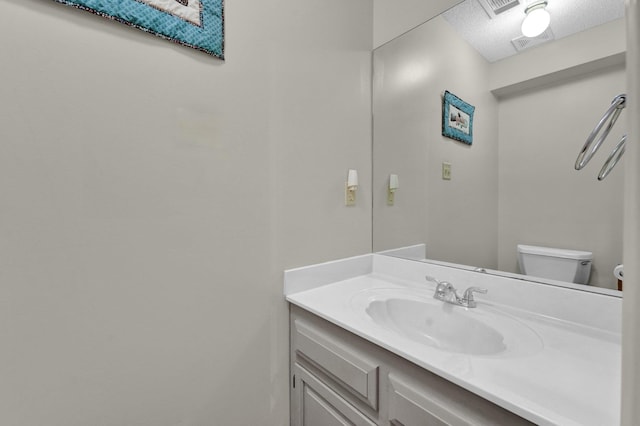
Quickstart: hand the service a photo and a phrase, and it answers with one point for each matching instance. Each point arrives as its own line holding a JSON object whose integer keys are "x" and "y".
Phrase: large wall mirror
{"x": 536, "y": 100}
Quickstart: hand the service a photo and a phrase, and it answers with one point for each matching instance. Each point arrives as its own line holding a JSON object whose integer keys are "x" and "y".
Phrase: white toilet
{"x": 556, "y": 264}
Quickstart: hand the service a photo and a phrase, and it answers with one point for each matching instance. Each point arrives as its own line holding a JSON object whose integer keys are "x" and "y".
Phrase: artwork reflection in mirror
{"x": 536, "y": 102}
{"x": 457, "y": 118}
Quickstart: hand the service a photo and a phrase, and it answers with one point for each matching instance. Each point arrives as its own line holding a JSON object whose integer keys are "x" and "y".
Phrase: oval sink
{"x": 414, "y": 315}
{"x": 442, "y": 326}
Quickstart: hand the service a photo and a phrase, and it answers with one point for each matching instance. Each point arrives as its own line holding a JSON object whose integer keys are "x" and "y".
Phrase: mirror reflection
{"x": 535, "y": 100}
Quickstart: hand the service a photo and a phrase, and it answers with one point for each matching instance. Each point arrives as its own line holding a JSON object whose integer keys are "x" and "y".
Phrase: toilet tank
{"x": 554, "y": 263}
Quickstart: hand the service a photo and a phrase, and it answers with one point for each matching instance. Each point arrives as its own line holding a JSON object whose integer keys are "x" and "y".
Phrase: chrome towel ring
{"x": 592, "y": 144}
{"x": 613, "y": 158}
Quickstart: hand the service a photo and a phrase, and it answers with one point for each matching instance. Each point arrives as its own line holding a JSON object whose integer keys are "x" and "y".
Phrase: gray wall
{"x": 151, "y": 198}
{"x": 630, "y": 392}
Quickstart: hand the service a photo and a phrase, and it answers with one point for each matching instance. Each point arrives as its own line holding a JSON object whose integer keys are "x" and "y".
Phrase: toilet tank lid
{"x": 555, "y": 252}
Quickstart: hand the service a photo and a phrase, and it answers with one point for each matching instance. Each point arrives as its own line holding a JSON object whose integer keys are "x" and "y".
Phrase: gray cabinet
{"x": 338, "y": 360}
{"x": 338, "y": 378}
{"x": 319, "y": 405}
{"x": 334, "y": 382}
{"x": 409, "y": 406}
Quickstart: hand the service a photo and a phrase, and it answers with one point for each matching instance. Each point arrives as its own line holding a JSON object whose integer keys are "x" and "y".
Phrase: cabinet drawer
{"x": 353, "y": 370}
{"x": 408, "y": 407}
{"x": 417, "y": 400}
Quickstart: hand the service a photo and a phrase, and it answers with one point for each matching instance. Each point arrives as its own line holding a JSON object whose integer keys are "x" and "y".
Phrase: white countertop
{"x": 571, "y": 378}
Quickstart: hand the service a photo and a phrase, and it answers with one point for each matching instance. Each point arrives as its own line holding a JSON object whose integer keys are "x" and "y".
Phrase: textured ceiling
{"x": 492, "y": 37}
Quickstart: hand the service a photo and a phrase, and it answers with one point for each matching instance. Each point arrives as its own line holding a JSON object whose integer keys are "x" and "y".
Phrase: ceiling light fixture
{"x": 537, "y": 19}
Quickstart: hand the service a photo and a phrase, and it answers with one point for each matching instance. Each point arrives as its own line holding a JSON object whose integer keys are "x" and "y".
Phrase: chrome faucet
{"x": 446, "y": 292}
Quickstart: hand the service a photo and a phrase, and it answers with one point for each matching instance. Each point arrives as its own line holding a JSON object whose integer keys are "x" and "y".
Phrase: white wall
{"x": 543, "y": 200}
{"x": 151, "y": 198}
{"x": 457, "y": 219}
{"x": 551, "y": 98}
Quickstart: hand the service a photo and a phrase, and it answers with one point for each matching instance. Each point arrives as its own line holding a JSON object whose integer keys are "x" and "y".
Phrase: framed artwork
{"x": 194, "y": 23}
{"x": 457, "y": 118}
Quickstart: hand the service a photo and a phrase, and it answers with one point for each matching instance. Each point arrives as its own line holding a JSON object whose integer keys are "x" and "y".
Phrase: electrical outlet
{"x": 446, "y": 171}
{"x": 391, "y": 195}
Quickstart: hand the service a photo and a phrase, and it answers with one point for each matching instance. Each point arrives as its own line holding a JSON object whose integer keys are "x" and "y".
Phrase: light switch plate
{"x": 349, "y": 196}
{"x": 446, "y": 171}
{"x": 391, "y": 195}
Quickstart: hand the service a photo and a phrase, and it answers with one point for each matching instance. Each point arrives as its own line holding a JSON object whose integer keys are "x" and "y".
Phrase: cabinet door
{"x": 316, "y": 404}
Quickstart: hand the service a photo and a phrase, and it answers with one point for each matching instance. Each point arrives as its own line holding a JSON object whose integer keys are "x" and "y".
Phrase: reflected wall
{"x": 516, "y": 183}
{"x": 410, "y": 75}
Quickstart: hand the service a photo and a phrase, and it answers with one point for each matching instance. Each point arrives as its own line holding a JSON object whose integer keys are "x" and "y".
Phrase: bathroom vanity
{"x": 370, "y": 345}
{"x": 338, "y": 375}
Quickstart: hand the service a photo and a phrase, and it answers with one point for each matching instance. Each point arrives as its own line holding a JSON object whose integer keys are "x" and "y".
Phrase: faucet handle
{"x": 467, "y": 297}
{"x": 431, "y": 279}
{"x": 440, "y": 285}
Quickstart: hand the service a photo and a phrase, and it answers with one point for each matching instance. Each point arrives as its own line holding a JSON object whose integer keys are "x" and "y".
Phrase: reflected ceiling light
{"x": 537, "y": 19}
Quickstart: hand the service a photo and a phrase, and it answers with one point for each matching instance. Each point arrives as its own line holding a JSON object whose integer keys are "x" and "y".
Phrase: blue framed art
{"x": 194, "y": 23}
{"x": 457, "y": 118}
